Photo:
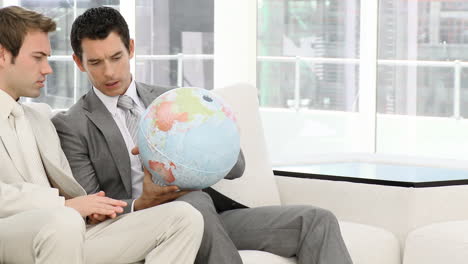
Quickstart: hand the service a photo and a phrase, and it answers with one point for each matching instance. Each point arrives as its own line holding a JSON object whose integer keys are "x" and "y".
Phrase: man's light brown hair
{"x": 16, "y": 22}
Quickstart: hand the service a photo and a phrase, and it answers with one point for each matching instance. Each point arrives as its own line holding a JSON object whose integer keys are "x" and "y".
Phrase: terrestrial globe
{"x": 188, "y": 137}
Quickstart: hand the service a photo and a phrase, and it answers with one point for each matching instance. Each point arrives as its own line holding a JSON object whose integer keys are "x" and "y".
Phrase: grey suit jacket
{"x": 96, "y": 149}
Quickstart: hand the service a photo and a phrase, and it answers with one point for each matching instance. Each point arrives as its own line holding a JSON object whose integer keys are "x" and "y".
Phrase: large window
{"x": 334, "y": 76}
{"x": 305, "y": 53}
{"x": 387, "y": 76}
{"x": 308, "y": 76}
{"x": 422, "y": 78}
{"x": 182, "y": 30}
{"x": 421, "y": 46}
{"x": 174, "y": 44}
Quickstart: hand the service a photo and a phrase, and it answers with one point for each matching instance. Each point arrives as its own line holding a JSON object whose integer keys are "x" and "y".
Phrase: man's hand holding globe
{"x": 154, "y": 194}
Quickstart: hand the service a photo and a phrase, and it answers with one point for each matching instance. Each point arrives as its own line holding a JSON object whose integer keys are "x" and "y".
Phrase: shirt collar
{"x": 7, "y": 103}
{"x": 132, "y": 92}
{"x": 110, "y": 102}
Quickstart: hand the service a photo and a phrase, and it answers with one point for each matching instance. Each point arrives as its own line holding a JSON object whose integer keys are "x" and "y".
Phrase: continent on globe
{"x": 188, "y": 137}
{"x": 159, "y": 168}
{"x": 167, "y": 117}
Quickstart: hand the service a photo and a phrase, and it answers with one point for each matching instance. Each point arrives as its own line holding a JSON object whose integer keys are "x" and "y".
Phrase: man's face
{"x": 107, "y": 63}
{"x": 26, "y": 76}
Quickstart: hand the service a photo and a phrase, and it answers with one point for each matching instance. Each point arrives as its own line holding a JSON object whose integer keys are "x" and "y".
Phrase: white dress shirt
{"x": 119, "y": 117}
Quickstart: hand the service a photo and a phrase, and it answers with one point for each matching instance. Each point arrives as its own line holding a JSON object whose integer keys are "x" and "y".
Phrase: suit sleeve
{"x": 77, "y": 155}
{"x": 238, "y": 170}
{"x": 19, "y": 197}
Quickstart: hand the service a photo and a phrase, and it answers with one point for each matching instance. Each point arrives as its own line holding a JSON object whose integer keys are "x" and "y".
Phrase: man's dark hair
{"x": 16, "y": 22}
{"x": 98, "y": 23}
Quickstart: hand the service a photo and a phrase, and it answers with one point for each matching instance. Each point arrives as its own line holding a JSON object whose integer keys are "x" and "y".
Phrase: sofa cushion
{"x": 438, "y": 243}
{"x": 366, "y": 245}
{"x": 369, "y": 245}
{"x": 257, "y": 187}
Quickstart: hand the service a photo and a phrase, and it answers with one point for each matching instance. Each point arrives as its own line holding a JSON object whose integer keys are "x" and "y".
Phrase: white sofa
{"x": 258, "y": 186}
{"x": 366, "y": 244}
{"x": 445, "y": 242}
{"x": 375, "y": 221}
{"x": 380, "y": 224}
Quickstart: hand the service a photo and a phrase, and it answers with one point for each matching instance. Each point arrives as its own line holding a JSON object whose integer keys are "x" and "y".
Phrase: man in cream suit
{"x": 42, "y": 207}
{"x": 97, "y": 138}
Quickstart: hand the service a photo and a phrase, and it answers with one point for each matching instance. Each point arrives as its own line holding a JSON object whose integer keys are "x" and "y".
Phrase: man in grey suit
{"x": 98, "y": 143}
{"x": 42, "y": 207}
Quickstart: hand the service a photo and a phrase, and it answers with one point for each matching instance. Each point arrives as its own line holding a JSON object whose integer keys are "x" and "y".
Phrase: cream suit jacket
{"x": 17, "y": 192}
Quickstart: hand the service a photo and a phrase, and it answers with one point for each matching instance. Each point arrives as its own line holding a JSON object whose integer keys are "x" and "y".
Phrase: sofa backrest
{"x": 257, "y": 187}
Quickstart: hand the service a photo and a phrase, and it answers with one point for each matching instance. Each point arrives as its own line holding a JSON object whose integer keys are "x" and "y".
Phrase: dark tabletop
{"x": 378, "y": 173}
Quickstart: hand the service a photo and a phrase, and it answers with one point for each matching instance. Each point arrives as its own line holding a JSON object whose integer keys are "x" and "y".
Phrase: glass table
{"x": 378, "y": 173}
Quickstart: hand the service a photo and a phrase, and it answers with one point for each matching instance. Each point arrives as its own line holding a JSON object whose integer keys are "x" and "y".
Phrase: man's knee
{"x": 326, "y": 216}
{"x": 320, "y": 216}
{"x": 67, "y": 218}
{"x": 63, "y": 224}
{"x": 177, "y": 212}
{"x": 46, "y": 234}
{"x": 201, "y": 201}
{"x": 197, "y": 198}
{"x": 61, "y": 235}
{"x": 186, "y": 219}
{"x": 186, "y": 212}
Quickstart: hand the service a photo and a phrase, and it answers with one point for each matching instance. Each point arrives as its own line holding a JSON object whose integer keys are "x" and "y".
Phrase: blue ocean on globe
{"x": 188, "y": 137}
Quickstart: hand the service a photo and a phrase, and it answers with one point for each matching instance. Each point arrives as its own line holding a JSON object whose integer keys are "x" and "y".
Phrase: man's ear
{"x": 132, "y": 48}
{"x": 3, "y": 55}
{"x": 78, "y": 62}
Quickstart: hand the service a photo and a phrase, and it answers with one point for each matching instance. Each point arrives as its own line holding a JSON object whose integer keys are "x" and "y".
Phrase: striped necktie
{"x": 132, "y": 115}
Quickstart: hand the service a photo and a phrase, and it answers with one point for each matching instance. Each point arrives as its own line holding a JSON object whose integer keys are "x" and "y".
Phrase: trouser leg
{"x": 311, "y": 234}
{"x": 42, "y": 236}
{"x": 216, "y": 247}
{"x": 170, "y": 233}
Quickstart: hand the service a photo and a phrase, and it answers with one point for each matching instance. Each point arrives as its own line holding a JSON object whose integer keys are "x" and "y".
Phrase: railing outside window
{"x": 457, "y": 67}
{"x": 180, "y": 59}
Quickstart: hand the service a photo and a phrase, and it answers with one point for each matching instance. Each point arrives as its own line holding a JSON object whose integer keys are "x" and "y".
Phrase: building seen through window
{"x": 433, "y": 31}
{"x": 408, "y": 31}
{"x": 164, "y": 27}
{"x": 308, "y": 29}
{"x": 171, "y": 27}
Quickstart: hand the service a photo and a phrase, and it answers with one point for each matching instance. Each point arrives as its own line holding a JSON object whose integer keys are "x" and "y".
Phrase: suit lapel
{"x": 51, "y": 157}
{"x": 9, "y": 141}
{"x": 146, "y": 94}
{"x": 97, "y": 112}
